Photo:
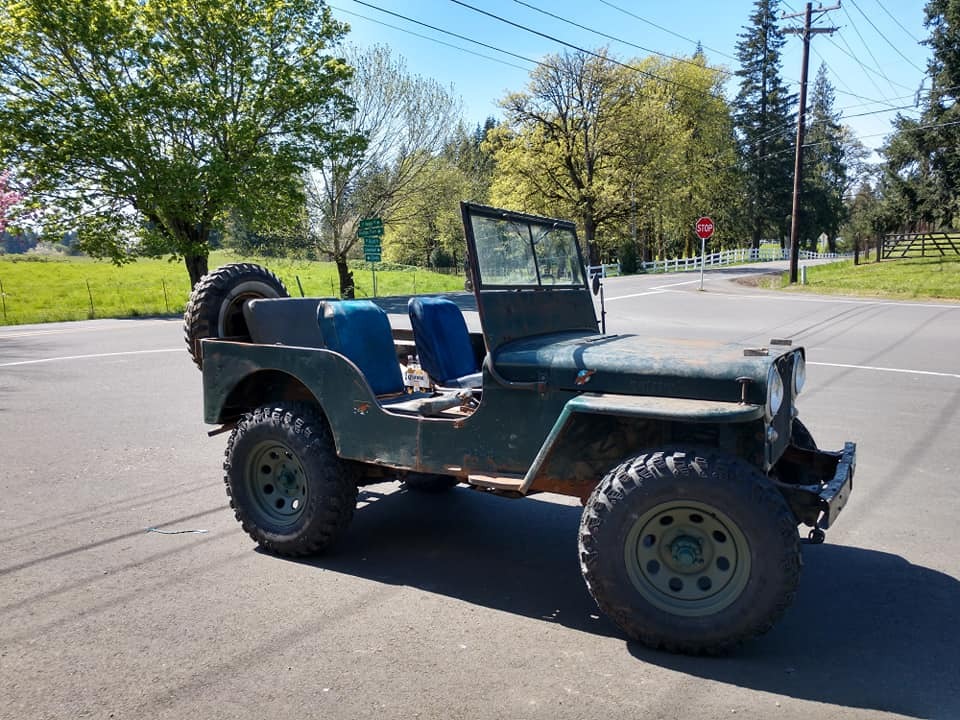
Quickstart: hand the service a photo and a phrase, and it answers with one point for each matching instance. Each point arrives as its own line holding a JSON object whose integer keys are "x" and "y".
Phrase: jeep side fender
{"x": 595, "y": 430}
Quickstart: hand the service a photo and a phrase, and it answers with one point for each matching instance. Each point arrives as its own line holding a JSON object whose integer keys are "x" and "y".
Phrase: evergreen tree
{"x": 764, "y": 121}
{"x": 825, "y": 167}
{"x": 921, "y": 181}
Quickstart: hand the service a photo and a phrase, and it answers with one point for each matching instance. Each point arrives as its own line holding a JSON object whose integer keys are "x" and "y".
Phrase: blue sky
{"x": 874, "y": 60}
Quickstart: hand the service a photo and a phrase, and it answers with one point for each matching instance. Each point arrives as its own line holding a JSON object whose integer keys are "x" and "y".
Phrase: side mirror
{"x": 596, "y": 283}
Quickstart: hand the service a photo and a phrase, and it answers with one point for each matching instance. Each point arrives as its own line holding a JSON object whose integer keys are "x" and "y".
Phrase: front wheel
{"x": 688, "y": 551}
{"x": 290, "y": 491}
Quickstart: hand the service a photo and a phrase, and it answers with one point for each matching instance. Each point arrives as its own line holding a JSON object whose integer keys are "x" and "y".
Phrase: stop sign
{"x": 704, "y": 228}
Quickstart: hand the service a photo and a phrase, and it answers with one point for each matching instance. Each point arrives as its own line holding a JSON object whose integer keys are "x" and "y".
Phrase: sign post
{"x": 704, "y": 229}
{"x": 371, "y": 231}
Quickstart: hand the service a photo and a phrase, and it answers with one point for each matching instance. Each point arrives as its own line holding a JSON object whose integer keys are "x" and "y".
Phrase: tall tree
{"x": 149, "y": 120}
{"x": 406, "y": 120}
{"x": 923, "y": 156}
{"x": 556, "y": 146}
{"x": 680, "y": 152}
{"x": 832, "y": 165}
{"x": 764, "y": 120}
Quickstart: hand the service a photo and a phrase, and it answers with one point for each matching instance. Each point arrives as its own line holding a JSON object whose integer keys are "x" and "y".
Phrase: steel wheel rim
{"x": 276, "y": 484}
{"x": 687, "y": 558}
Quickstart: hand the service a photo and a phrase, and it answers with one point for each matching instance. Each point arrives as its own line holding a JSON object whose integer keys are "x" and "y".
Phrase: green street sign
{"x": 371, "y": 242}
{"x": 372, "y": 257}
{"x": 371, "y": 223}
{"x": 370, "y": 232}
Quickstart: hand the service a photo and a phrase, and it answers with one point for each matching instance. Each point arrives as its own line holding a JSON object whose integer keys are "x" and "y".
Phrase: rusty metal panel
{"x": 637, "y": 365}
{"x": 501, "y": 436}
{"x": 595, "y": 432}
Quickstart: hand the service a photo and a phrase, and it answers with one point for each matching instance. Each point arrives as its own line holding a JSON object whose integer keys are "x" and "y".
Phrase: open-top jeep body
{"x": 688, "y": 457}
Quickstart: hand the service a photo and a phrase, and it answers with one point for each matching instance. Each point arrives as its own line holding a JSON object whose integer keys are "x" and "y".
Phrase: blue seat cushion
{"x": 361, "y": 331}
{"x": 443, "y": 341}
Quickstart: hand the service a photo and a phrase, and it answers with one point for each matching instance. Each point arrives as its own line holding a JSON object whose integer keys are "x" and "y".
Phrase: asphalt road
{"x": 459, "y": 606}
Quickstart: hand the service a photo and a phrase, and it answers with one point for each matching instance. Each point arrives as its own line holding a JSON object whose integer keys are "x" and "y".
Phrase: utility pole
{"x": 805, "y": 32}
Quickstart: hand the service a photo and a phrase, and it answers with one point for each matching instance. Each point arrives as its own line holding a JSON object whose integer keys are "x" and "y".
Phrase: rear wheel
{"x": 290, "y": 491}
{"x": 215, "y": 308}
{"x": 692, "y": 552}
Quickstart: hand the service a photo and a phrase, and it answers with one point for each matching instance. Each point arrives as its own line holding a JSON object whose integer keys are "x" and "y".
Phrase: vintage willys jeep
{"x": 689, "y": 458}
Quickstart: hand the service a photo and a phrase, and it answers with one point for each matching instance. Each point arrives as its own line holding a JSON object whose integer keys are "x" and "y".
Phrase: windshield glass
{"x": 526, "y": 253}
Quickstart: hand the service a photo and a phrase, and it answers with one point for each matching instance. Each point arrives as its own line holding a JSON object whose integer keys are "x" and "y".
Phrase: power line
{"x": 867, "y": 47}
{"x": 453, "y": 34}
{"x": 667, "y": 30}
{"x": 885, "y": 38}
{"x": 427, "y": 37}
{"x": 899, "y": 24}
{"x": 552, "y": 38}
{"x": 619, "y": 40}
{"x": 850, "y": 54}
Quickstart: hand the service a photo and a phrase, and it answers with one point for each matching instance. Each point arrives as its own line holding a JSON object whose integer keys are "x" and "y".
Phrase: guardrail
{"x": 723, "y": 257}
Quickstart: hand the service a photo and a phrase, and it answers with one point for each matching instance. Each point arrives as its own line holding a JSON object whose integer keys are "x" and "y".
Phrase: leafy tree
{"x": 147, "y": 121}
{"x": 764, "y": 121}
{"x": 556, "y": 147}
{"x": 635, "y": 149}
{"x": 406, "y": 120}
{"x": 429, "y": 229}
{"x": 681, "y": 153}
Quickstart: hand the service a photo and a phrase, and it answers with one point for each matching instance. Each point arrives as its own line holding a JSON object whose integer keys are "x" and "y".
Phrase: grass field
{"x": 49, "y": 289}
{"x": 929, "y": 277}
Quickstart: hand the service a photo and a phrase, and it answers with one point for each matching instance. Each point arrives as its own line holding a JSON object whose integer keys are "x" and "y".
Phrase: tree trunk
{"x": 856, "y": 251}
{"x": 196, "y": 266}
{"x": 346, "y": 278}
{"x": 589, "y": 231}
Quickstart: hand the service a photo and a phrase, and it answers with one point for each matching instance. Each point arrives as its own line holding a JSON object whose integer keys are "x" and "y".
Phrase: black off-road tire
{"x": 749, "y": 551}
{"x": 215, "y": 308}
{"x": 288, "y": 488}
{"x": 427, "y": 483}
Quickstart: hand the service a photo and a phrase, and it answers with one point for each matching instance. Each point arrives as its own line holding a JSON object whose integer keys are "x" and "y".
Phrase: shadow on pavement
{"x": 868, "y": 629}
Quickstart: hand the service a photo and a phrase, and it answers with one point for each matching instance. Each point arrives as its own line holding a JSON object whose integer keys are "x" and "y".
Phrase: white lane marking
{"x": 656, "y": 290}
{"x": 886, "y": 369}
{"x": 87, "y": 357}
{"x": 67, "y": 331}
{"x": 831, "y": 299}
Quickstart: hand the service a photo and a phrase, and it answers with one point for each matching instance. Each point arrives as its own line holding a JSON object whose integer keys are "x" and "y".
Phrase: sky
{"x": 874, "y": 60}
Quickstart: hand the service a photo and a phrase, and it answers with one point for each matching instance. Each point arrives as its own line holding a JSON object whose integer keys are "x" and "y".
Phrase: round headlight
{"x": 774, "y": 392}
{"x": 799, "y": 373}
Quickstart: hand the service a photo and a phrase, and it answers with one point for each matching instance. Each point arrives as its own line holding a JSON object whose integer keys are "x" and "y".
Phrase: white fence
{"x": 724, "y": 257}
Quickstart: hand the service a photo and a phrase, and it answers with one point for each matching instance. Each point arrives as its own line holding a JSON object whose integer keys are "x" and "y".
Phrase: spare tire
{"x": 215, "y": 308}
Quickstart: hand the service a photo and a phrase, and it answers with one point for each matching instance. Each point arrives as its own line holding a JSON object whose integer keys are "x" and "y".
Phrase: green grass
{"x": 910, "y": 278}
{"x": 49, "y": 288}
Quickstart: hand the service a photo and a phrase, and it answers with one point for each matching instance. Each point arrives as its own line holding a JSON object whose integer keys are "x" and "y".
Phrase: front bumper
{"x": 834, "y": 496}
{"x": 817, "y": 483}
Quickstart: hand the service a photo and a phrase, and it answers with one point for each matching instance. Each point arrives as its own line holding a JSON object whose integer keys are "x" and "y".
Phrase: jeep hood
{"x": 637, "y": 365}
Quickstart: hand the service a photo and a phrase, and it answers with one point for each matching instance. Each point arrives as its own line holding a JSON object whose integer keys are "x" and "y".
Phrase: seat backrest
{"x": 284, "y": 321}
{"x": 443, "y": 341}
{"x": 361, "y": 331}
